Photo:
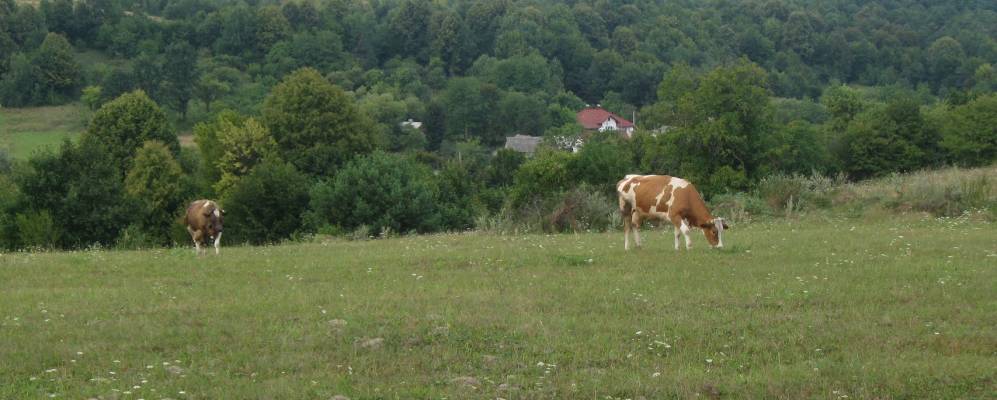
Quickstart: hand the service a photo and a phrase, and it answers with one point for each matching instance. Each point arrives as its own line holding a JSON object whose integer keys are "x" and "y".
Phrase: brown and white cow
{"x": 204, "y": 222}
{"x": 666, "y": 198}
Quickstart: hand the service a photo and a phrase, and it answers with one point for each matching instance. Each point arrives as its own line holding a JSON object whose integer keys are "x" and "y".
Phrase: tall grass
{"x": 944, "y": 192}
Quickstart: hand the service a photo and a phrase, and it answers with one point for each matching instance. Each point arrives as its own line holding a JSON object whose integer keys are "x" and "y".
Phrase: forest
{"x": 296, "y": 108}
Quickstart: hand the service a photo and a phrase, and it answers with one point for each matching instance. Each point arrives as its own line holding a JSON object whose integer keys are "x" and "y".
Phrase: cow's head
{"x": 714, "y": 231}
{"x": 214, "y": 216}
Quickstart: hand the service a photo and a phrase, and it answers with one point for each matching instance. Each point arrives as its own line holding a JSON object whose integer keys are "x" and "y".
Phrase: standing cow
{"x": 667, "y": 198}
{"x": 204, "y": 222}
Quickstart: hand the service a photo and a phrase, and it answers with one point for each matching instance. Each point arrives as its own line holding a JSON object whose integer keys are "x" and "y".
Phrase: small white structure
{"x": 411, "y": 124}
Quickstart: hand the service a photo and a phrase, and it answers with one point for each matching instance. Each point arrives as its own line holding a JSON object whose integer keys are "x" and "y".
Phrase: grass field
{"x": 822, "y": 307}
{"x": 24, "y": 131}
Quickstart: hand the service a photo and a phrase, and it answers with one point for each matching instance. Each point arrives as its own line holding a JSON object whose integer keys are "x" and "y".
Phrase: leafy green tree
{"x": 245, "y": 146}
{"x": 272, "y": 27}
{"x": 890, "y": 138}
{"x": 58, "y": 16}
{"x": 970, "y": 132}
{"x": 91, "y": 97}
{"x": 57, "y": 67}
{"x": 448, "y": 36}
{"x": 522, "y": 114}
{"x": 148, "y": 74}
{"x": 20, "y": 85}
{"x": 207, "y": 136}
{"x": 179, "y": 76}
{"x": 945, "y": 58}
{"x": 266, "y": 205}
{"x": 843, "y": 103}
{"x": 724, "y": 123}
{"x": 122, "y": 125}
{"x": 409, "y": 29}
{"x": 398, "y": 194}
{"x": 154, "y": 185}
{"x": 316, "y": 125}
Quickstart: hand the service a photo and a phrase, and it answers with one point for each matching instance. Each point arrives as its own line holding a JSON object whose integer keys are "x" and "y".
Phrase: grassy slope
{"x": 820, "y": 308}
{"x": 26, "y": 130}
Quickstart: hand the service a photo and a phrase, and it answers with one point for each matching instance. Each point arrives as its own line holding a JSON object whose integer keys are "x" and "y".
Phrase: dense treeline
{"x": 296, "y": 106}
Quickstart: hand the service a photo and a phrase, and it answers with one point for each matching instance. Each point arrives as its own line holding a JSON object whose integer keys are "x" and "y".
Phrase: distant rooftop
{"x": 523, "y": 143}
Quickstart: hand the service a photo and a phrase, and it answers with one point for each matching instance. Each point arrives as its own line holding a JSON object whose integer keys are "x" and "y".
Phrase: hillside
{"x": 24, "y": 131}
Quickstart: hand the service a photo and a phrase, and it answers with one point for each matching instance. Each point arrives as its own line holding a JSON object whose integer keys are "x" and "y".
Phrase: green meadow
{"x": 24, "y": 131}
{"x": 817, "y": 307}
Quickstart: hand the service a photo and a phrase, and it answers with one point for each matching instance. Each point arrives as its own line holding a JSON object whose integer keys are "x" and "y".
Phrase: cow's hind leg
{"x": 626, "y": 232}
{"x": 635, "y": 222}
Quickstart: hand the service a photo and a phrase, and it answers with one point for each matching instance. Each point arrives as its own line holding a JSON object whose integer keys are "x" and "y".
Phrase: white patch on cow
{"x": 218, "y": 240}
{"x": 217, "y": 213}
{"x": 678, "y": 183}
{"x": 207, "y": 204}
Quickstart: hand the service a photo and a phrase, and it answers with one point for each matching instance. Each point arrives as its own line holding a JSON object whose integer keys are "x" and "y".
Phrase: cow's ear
{"x": 223, "y": 211}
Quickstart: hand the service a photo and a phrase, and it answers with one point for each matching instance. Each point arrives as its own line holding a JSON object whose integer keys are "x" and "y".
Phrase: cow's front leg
{"x": 198, "y": 238}
{"x": 218, "y": 242}
{"x": 685, "y": 233}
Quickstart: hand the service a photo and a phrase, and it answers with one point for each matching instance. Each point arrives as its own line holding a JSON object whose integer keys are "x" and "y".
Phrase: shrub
{"x": 457, "y": 194}
{"x": 601, "y": 164}
{"x": 584, "y": 208}
{"x": 381, "y": 191}
{"x": 82, "y": 190}
{"x": 266, "y": 205}
{"x": 155, "y": 185}
{"x": 37, "y": 230}
{"x": 542, "y": 177}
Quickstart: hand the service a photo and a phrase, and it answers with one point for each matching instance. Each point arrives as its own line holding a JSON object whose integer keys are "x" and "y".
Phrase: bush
{"x": 793, "y": 193}
{"x": 37, "y": 230}
{"x": 601, "y": 163}
{"x": 380, "y": 190}
{"x": 83, "y": 192}
{"x": 155, "y": 185}
{"x": 584, "y": 208}
{"x": 266, "y": 205}
{"x": 458, "y": 203}
{"x": 542, "y": 177}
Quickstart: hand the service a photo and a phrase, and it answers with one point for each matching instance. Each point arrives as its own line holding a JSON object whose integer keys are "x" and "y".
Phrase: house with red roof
{"x": 598, "y": 119}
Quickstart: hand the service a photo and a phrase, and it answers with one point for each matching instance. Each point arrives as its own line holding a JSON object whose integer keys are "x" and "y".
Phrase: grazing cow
{"x": 204, "y": 222}
{"x": 668, "y": 198}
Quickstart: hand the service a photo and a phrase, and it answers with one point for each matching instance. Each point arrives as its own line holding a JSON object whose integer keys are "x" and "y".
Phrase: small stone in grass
{"x": 466, "y": 382}
{"x": 372, "y": 344}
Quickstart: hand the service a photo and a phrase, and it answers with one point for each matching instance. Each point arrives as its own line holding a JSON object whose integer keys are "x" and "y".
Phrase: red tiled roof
{"x": 593, "y": 117}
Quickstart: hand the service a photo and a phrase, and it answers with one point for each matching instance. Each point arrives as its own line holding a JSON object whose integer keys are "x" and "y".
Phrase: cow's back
{"x": 194, "y": 217}
{"x": 645, "y": 192}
